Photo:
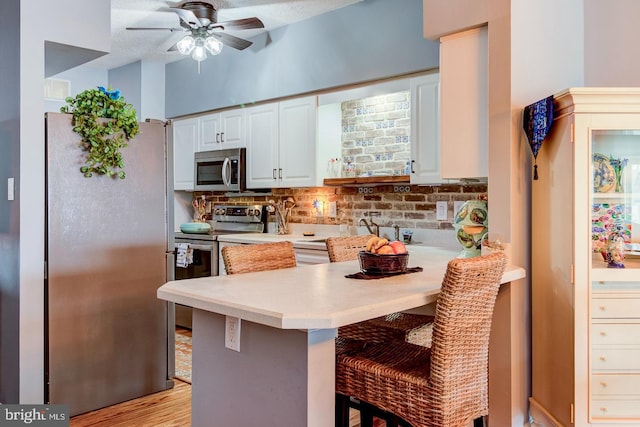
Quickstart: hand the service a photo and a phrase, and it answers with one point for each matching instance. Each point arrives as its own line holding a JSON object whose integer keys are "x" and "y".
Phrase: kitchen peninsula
{"x": 283, "y": 374}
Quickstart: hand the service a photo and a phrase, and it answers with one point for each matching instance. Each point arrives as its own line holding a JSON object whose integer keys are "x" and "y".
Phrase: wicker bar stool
{"x": 413, "y": 328}
{"x": 258, "y": 257}
{"x": 444, "y": 385}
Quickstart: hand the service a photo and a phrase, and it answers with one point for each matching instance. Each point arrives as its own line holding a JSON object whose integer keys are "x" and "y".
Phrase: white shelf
{"x": 616, "y": 196}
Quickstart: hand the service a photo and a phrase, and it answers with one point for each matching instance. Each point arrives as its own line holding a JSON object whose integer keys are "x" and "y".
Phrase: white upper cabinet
{"x": 464, "y": 105}
{"x": 222, "y": 130}
{"x": 425, "y": 129}
{"x": 262, "y": 145}
{"x": 297, "y": 148}
{"x": 281, "y": 144}
{"x": 185, "y": 140}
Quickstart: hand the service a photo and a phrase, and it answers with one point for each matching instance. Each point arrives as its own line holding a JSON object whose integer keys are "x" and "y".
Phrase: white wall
{"x": 73, "y": 22}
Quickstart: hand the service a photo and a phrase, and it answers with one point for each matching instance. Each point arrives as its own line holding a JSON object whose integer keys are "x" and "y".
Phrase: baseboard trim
{"x": 541, "y": 416}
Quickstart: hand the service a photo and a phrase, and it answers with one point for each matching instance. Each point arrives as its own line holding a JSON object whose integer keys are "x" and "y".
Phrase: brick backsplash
{"x": 375, "y": 135}
{"x": 409, "y": 206}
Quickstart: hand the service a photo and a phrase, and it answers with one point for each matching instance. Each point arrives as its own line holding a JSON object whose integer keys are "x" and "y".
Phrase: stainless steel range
{"x": 227, "y": 219}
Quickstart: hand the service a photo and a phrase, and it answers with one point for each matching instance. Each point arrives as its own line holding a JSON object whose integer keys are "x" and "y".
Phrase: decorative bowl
{"x": 383, "y": 263}
{"x": 195, "y": 227}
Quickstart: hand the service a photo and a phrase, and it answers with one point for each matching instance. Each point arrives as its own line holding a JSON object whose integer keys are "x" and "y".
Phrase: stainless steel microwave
{"x": 220, "y": 170}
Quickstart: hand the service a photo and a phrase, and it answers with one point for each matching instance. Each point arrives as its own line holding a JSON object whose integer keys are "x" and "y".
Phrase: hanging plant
{"x": 102, "y": 139}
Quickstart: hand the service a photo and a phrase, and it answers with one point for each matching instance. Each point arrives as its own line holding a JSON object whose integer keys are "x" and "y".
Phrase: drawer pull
{"x": 603, "y": 410}
{"x": 603, "y": 334}
{"x": 602, "y": 358}
{"x": 603, "y": 308}
{"x": 603, "y": 384}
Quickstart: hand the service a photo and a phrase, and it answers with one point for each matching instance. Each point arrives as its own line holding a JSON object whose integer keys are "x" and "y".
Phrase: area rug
{"x": 183, "y": 354}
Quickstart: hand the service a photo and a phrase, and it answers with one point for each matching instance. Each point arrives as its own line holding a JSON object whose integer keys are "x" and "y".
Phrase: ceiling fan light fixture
{"x": 199, "y": 52}
{"x": 186, "y": 45}
{"x": 213, "y": 45}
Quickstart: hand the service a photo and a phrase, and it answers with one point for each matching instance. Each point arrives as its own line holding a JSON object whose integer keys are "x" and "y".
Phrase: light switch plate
{"x": 456, "y": 206}
{"x": 10, "y": 189}
{"x": 441, "y": 211}
{"x": 333, "y": 209}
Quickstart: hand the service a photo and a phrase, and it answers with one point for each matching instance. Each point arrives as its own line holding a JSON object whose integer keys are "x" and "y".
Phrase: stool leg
{"x": 478, "y": 422}
{"x": 342, "y": 410}
{"x": 366, "y": 415}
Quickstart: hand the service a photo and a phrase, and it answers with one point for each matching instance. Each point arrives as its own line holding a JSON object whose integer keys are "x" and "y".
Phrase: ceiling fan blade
{"x": 187, "y": 16}
{"x": 155, "y": 28}
{"x": 233, "y": 41}
{"x": 240, "y": 24}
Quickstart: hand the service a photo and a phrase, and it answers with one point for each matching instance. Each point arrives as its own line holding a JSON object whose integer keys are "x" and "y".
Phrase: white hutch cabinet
{"x": 585, "y": 313}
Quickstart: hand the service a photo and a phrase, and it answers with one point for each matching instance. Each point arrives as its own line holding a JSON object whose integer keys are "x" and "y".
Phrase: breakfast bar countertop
{"x": 318, "y": 296}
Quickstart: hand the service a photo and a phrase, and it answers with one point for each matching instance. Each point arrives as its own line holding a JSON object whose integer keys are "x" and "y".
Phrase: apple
{"x": 385, "y": 250}
{"x": 398, "y": 247}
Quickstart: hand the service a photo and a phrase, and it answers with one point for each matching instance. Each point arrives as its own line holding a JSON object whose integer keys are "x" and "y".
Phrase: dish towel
{"x": 537, "y": 121}
{"x": 184, "y": 256}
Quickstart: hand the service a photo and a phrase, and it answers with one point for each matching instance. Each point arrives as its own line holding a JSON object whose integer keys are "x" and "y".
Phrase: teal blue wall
{"x": 369, "y": 40}
{"x": 128, "y": 79}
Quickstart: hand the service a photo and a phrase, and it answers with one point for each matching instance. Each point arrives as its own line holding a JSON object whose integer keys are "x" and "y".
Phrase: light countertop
{"x": 317, "y": 296}
{"x": 298, "y": 240}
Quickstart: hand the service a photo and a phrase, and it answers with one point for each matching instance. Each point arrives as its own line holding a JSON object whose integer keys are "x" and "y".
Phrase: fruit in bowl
{"x": 380, "y": 245}
{"x": 383, "y": 257}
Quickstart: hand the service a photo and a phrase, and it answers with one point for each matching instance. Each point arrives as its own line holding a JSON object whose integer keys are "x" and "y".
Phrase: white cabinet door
{"x": 209, "y": 132}
{"x": 233, "y": 128}
{"x": 425, "y": 129}
{"x": 297, "y": 148}
{"x": 222, "y": 130}
{"x": 464, "y": 105}
{"x": 185, "y": 140}
{"x": 262, "y": 146}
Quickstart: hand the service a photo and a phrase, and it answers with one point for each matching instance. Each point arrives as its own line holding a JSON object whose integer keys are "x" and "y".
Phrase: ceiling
{"x": 129, "y": 46}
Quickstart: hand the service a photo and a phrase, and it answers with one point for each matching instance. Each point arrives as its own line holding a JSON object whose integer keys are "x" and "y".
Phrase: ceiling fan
{"x": 206, "y": 34}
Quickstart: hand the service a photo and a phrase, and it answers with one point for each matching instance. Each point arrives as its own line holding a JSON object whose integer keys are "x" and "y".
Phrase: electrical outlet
{"x": 232, "y": 333}
{"x": 333, "y": 209}
{"x": 441, "y": 211}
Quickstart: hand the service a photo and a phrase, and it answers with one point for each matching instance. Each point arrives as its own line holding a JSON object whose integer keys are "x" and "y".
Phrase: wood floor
{"x": 169, "y": 408}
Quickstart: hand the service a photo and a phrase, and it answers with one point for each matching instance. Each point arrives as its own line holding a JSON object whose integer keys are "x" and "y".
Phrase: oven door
{"x": 205, "y": 263}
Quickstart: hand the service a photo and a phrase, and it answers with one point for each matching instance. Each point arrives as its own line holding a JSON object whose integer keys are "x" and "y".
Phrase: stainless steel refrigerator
{"x": 109, "y": 246}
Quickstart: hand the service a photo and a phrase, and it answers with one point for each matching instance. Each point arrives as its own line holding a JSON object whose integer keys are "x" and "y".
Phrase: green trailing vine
{"x": 102, "y": 139}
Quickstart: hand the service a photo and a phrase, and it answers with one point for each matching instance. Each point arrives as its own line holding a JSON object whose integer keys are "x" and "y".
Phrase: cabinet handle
{"x": 280, "y": 173}
{"x": 221, "y": 136}
{"x": 274, "y": 174}
{"x": 412, "y": 163}
{"x": 217, "y": 138}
